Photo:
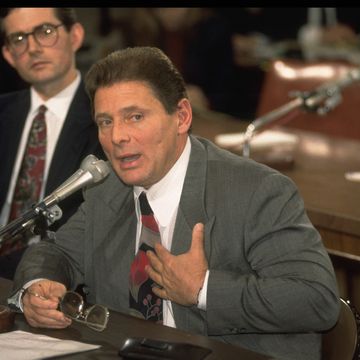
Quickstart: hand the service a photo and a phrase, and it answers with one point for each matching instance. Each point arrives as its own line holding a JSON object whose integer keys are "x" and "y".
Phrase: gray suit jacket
{"x": 271, "y": 286}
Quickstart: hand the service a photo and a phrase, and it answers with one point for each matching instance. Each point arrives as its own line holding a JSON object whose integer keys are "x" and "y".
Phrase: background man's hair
{"x": 66, "y": 16}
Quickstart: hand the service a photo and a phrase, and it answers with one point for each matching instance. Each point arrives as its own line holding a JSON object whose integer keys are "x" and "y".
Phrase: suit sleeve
{"x": 290, "y": 285}
{"x": 59, "y": 260}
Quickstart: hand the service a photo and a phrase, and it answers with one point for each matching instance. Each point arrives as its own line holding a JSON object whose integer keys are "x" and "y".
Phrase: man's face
{"x": 139, "y": 137}
{"x": 39, "y": 65}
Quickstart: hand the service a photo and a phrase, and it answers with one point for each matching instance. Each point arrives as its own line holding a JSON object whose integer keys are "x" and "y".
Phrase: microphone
{"x": 92, "y": 170}
{"x": 328, "y": 95}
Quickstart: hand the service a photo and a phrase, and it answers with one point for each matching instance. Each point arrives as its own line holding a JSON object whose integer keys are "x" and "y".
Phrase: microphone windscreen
{"x": 99, "y": 169}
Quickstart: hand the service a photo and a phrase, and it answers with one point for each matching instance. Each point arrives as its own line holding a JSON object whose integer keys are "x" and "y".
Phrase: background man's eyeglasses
{"x": 45, "y": 35}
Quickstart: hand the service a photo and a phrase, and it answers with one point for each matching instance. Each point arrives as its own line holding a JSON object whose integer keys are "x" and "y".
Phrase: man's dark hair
{"x": 146, "y": 64}
{"x": 67, "y": 16}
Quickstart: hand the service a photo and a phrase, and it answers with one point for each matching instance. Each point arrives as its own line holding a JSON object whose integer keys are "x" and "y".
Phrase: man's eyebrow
{"x": 32, "y": 29}
{"x": 102, "y": 115}
{"x": 123, "y": 111}
{"x": 131, "y": 108}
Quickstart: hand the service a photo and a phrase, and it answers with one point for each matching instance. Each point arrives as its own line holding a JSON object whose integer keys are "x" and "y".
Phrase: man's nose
{"x": 120, "y": 132}
{"x": 33, "y": 45}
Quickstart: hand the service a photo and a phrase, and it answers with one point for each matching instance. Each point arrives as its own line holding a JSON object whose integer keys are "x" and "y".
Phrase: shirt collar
{"x": 58, "y": 104}
{"x": 164, "y": 196}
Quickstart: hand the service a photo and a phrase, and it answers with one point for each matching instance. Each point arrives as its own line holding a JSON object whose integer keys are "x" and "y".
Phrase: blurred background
{"x": 242, "y": 63}
{"x": 223, "y": 53}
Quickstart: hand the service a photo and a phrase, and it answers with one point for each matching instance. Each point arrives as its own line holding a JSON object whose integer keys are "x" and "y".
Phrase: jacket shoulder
{"x": 14, "y": 95}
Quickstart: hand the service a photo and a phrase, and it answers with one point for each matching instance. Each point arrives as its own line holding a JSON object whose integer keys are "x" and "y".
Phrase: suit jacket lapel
{"x": 118, "y": 226}
{"x": 12, "y": 122}
{"x": 67, "y": 157}
{"x": 16, "y": 119}
{"x": 191, "y": 211}
{"x": 192, "y": 203}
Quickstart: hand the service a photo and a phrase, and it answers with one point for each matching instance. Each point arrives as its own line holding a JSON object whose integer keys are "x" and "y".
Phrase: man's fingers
{"x": 154, "y": 275}
{"x": 51, "y": 319}
{"x": 154, "y": 260}
{"x": 161, "y": 252}
{"x": 42, "y": 317}
{"x": 197, "y": 243}
{"x": 160, "y": 292}
{"x": 48, "y": 322}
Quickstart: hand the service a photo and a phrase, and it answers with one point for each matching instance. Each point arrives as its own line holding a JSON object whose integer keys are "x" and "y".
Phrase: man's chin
{"x": 130, "y": 180}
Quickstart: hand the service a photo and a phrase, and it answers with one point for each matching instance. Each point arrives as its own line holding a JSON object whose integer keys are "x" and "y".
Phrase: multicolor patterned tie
{"x": 143, "y": 302}
{"x": 30, "y": 178}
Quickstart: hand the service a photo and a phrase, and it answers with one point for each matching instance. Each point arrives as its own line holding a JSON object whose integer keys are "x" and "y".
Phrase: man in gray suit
{"x": 238, "y": 261}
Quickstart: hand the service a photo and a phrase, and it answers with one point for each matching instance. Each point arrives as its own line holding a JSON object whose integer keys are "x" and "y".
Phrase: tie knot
{"x": 144, "y": 205}
{"x": 42, "y": 109}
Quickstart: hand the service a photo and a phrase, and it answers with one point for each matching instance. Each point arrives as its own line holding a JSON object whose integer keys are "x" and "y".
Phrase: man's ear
{"x": 8, "y": 56}
{"x": 77, "y": 33}
{"x": 184, "y": 113}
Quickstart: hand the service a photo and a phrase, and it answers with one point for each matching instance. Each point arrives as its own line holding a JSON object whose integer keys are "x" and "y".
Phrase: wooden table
{"x": 120, "y": 328}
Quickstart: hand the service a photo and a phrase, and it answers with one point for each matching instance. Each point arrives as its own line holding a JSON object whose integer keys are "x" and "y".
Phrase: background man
{"x": 40, "y": 43}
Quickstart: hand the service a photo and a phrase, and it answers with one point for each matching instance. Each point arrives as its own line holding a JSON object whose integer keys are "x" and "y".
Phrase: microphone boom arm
{"x": 266, "y": 119}
{"x": 328, "y": 94}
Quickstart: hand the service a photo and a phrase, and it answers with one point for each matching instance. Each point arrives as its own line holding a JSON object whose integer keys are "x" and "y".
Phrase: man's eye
{"x": 17, "y": 39}
{"x": 103, "y": 122}
{"x": 46, "y": 30}
{"x": 136, "y": 117}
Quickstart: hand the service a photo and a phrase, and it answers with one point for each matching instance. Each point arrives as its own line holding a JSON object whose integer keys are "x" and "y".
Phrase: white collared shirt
{"x": 57, "y": 109}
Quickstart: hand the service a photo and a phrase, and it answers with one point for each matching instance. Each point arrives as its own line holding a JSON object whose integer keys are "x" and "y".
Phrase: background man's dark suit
{"x": 78, "y": 138}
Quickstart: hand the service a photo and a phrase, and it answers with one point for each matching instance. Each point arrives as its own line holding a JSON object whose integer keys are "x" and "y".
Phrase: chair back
{"x": 342, "y": 341}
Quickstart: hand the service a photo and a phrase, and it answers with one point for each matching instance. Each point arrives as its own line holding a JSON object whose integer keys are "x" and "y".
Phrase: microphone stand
{"x": 37, "y": 219}
{"x": 321, "y": 100}
{"x": 43, "y": 214}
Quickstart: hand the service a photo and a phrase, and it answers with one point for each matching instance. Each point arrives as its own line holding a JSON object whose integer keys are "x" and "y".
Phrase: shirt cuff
{"x": 203, "y": 292}
{"x": 15, "y": 301}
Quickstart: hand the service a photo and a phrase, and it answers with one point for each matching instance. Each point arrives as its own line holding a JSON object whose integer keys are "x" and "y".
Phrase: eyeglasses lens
{"x": 71, "y": 304}
{"x": 45, "y": 35}
{"x": 97, "y": 317}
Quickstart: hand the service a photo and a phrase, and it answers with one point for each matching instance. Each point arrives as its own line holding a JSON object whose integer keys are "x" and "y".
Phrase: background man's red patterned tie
{"x": 30, "y": 179}
{"x": 143, "y": 302}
